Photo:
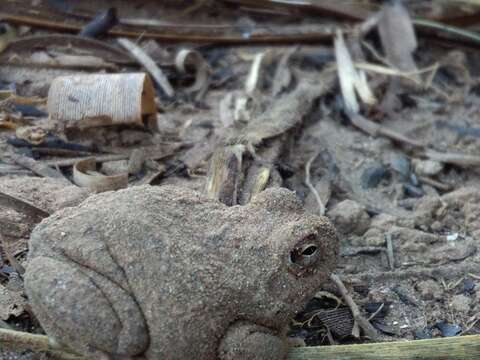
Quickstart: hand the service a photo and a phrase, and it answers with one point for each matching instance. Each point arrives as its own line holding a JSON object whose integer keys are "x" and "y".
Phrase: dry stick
{"x": 321, "y": 206}
{"x": 24, "y": 340}
{"x": 105, "y": 158}
{"x": 436, "y": 184}
{"x": 172, "y": 36}
{"x": 462, "y": 160}
{"x": 357, "y": 316}
{"x": 436, "y": 272}
{"x": 146, "y": 61}
{"x": 39, "y": 168}
{"x": 375, "y": 129}
{"x": 22, "y": 206}
{"x": 29, "y": 42}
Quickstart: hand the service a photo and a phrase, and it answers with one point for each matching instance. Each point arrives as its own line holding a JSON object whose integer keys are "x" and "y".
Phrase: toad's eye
{"x": 305, "y": 255}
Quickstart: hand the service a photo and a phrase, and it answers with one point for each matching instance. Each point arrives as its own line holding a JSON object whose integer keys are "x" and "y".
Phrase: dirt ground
{"x": 407, "y": 216}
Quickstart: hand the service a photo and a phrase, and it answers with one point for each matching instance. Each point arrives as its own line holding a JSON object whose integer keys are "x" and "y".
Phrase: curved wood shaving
{"x": 187, "y": 57}
{"x": 85, "y": 175}
{"x": 102, "y": 99}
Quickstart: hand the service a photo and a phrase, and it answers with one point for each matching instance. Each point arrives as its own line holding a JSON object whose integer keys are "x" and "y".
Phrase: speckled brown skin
{"x": 164, "y": 273}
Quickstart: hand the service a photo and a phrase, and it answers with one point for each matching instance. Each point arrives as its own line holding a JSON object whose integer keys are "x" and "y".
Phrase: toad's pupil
{"x": 310, "y": 250}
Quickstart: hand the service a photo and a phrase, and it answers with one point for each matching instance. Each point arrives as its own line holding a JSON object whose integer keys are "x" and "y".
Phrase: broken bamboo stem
{"x": 452, "y": 348}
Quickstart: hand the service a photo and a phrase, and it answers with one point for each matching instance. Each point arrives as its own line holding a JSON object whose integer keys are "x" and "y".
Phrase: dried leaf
{"x": 397, "y": 35}
{"x": 283, "y": 75}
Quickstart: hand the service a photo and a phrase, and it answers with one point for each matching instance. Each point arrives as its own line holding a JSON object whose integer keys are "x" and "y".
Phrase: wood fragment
{"x": 22, "y": 206}
{"x": 369, "y": 330}
{"x": 452, "y": 348}
{"x": 146, "y": 61}
{"x": 224, "y": 174}
{"x": 391, "y": 259}
{"x": 39, "y": 168}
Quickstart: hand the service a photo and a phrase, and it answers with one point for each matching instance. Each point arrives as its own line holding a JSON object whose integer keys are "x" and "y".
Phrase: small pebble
{"x": 421, "y": 334}
{"x": 448, "y": 330}
{"x": 372, "y": 176}
{"x": 427, "y": 167}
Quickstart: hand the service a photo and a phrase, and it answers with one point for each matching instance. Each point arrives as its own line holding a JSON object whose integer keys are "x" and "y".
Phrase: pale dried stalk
{"x": 321, "y": 206}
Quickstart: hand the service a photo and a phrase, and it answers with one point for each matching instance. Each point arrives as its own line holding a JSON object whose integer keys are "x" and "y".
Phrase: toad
{"x": 165, "y": 273}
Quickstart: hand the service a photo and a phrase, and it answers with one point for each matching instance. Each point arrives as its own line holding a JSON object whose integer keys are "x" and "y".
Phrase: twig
{"x": 322, "y": 35}
{"x": 357, "y": 316}
{"x": 466, "y": 34}
{"x": 321, "y": 206}
{"x": 436, "y": 184}
{"x": 462, "y": 160}
{"x": 376, "y": 312}
{"x": 145, "y": 60}
{"x": 39, "y": 168}
{"x": 367, "y": 250}
{"x": 24, "y": 340}
{"x": 22, "y": 206}
{"x": 436, "y": 272}
{"x": 391, "y": 259}
{"x": 375, "y": 129}
{"x": 156, "y": 154}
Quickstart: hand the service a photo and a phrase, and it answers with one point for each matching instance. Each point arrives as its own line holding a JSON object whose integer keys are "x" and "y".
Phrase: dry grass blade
{"x": 253, "y": 76}
{"x": 352, "y": 81}
{"x": 308, "y": 182}
{"x": 150, "y": 65}
{"x": 346, "y": 74}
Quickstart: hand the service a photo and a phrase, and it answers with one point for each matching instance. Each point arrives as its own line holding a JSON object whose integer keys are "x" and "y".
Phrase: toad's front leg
{"x": 247, "y": 341}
